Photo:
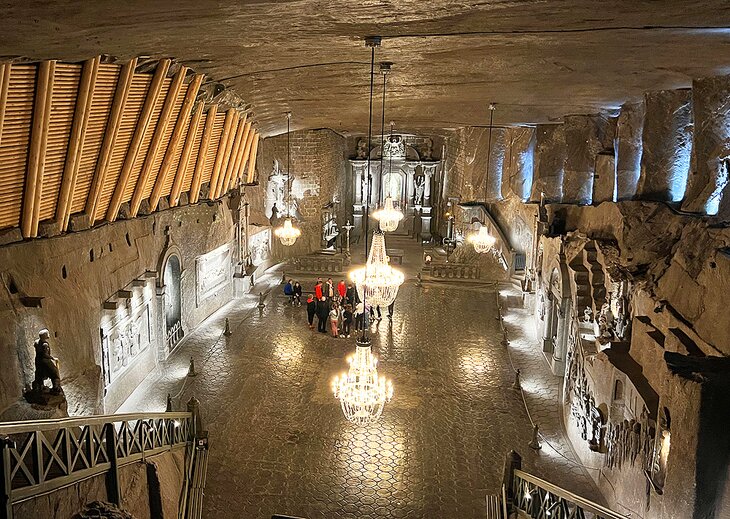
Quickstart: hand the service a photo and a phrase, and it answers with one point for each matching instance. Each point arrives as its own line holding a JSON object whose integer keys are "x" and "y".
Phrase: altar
{"x": 398, "y": 171}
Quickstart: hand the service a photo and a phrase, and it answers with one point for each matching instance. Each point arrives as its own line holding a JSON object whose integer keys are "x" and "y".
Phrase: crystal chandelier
{"x": 287, "y": 233}
{"x": 388, "y": 216}
{"x": 482, "y": 241}
{"x": 377, "y": 282}
{"x": 362, "y": 393}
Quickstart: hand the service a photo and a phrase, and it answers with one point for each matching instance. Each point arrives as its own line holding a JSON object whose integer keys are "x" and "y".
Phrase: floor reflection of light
{"x": 370, "y": 454}
{"x": 289, "y": 349}
{"x": 476, "y": 361}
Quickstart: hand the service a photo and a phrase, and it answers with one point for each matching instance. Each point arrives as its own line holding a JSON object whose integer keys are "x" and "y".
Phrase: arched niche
{"x": 171, "y": 280}
{"x": 557, "y": 296}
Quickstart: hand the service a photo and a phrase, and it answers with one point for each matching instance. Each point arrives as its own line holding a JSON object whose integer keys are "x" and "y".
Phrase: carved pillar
{"x": 667, "y": 145}
{"x": 547, "y": 337}
{"x": 561, "y": 339}
{"x": 359, "y": 175}
{"x": 159, "y": 326}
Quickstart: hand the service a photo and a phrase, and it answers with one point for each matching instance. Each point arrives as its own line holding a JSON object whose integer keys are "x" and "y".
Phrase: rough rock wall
{"x": 667, "y": 145}
{"x": 76, "y": 273}
{"x": 585, "y": 136}
{"x": 141, "y": 497}
{"x": 319, "y": 175}
{"x": 518, "y": 163}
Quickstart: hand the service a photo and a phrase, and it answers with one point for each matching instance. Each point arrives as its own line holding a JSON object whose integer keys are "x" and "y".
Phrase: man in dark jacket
{"x": 323, "y": 311}
{"x": 311, "y": 310}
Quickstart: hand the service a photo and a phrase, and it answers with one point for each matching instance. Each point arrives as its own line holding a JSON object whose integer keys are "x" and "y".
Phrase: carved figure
{"x": 428, "y": 154}
{"x": 420, "y": 182}
{"x": 587, "y": 314}
{"x": 274, "y": 214}
{"x": 362, "y": 149}
{"x": 45, "y": 364}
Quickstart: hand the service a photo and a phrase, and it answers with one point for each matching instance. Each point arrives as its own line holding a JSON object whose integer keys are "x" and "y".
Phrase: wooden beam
{"x": 222, "y": 144}
{"x": 247, "y": 151}
{"x": 183, "y": 120}
{"x": 76, "y": 140}
{"x": 110, "y": 136}
{"x": 37, "y": 151}
{"x": 187, "y": 151}
{"x": 202, "y": 154}
{"x": 252, "y": 159}
{"x": 140, "y": 130}
{"x": 241, "y": 160}
{"x": 155, "y": 145}
{"x": 236, "y": 153}
{"x": 4, "y": 87}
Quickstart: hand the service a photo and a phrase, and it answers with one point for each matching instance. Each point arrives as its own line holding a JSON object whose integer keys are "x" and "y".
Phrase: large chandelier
{"x": 482, "y": 241}
{"x": 389, "y": 217}
{"x": 377, "y": 282}
{"x": 362, "y": 393}
{"x": 287, "y": 233}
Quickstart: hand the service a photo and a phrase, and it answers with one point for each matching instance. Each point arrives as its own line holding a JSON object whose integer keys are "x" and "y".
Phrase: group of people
{"x": 336, "y": 306}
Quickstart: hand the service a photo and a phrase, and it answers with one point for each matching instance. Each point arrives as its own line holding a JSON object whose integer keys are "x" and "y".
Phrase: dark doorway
{"x": 173, "y": 303}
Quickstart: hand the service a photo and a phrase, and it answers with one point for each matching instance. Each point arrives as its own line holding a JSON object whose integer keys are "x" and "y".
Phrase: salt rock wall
{"x": 319, "y": 175}
{"x": 74, "y": 274}
{"x": 550, "y": 156}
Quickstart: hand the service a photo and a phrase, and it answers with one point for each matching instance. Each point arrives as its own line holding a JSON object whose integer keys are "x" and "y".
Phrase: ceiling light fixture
{"x": 288, "y": 233}
{"x": 361, "y": 391}
{"x": 482, "y": 240}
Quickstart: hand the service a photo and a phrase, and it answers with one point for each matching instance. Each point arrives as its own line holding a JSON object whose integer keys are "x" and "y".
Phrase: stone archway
{"x": 557, "y": 301}
{"x": 172, "y": 301}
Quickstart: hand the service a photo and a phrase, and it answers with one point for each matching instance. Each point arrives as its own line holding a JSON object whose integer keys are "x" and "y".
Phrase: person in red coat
{"x": 342, "y": 289}
{"x": 318, "y": 290}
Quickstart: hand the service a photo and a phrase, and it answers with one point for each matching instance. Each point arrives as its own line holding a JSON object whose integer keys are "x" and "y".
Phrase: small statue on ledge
{"x": 46, "y": 365}
{"x": 362, "y": 149}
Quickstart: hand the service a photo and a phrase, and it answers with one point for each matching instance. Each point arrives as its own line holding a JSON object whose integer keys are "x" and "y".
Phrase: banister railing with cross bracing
{"x": 43, "y": 456}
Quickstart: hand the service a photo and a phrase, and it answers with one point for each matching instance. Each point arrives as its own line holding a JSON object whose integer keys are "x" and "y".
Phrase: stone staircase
{"x": 589, "y": 278}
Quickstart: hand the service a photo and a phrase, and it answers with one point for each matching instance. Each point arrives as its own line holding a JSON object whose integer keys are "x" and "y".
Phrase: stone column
{"x": 667, "y": 145}
{"x": 547, "y": 340}
{"x": 561, "y": 339}
{"x": 496, "y": 163}
{"x": 159, "y": 326}
{"x": 629, "y": 133}
{"x": 549, "y": 163}
{"x": 584, "y": 136}
{"x": 519, "y": 169}
{"x": 711, "y": 146}
{"x": 359, "y": 169}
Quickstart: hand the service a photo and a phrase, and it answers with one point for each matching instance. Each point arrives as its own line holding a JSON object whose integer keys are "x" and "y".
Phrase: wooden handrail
{"x": 58, "y": 423}
{"x": 585, "y": 504}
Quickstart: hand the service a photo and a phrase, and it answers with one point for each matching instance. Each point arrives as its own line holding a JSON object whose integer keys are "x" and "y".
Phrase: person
{"x": 347, "y": 320}
{"x": 322, "y": 315}
{"x": 351, "y": 294}
{"x": 360, "y": 317}
{"x": 342, "y": 290}
{"x": 318, "y": 293}
{"x": 334, "y": 319}
{"x": 391, "y": 307}
{"x": 297, "y": 299}
{"x": 289, "y": 291}
{"x": 372, "y": 313}
{"x": 311, "y": 310}
{"x": 330, "y": 288}
{"x": 45, "y": 364}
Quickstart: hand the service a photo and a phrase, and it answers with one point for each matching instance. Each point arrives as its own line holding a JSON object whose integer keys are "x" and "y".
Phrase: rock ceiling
{"x": 538, "y": 60}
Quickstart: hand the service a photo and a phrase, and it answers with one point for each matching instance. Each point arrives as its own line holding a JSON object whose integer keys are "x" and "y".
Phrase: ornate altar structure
{"x": 405, "y": 176}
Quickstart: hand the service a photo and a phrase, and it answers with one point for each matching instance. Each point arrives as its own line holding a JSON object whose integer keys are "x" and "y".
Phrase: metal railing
{"x": 41, "y": 456}
{"x": 541, "y": 499}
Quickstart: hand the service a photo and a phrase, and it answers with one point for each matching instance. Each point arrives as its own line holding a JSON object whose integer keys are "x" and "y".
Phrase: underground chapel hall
{"x": 307, "y": 259}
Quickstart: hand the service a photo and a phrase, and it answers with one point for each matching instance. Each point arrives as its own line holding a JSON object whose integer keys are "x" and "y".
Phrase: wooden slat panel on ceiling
{"x": 215, "y": 139}
{"x": 63, "y": 105}
{"x": 101, "y": 103}
{"x": 132, "y": 109}
{"x": 167, "y": 186}
{"x": 188, "y": 179}
{"x": 137, "y": 169}
{"x": 164, "y": 143}
{"x": 15, "y": 141}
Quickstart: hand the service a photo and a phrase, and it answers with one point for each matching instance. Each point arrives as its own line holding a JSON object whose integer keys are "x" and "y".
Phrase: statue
{"x": 45, "y": 365}
{"x": 420, "y": 182}
{"x": 587, "y": 315}
{"x": 428, "y": 154}
{"x": 274, "y": 214}
{"x": 362, "y": 149}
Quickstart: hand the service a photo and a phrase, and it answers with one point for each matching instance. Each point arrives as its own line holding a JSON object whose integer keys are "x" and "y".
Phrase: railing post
{"x": 194, "y": 409}
{"x": 112, "y": 477}
{"x": 512, "y": 463}
{"x": 6, "y": 498}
